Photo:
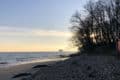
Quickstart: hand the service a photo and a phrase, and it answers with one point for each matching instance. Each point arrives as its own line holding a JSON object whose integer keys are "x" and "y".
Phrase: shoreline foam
{"x": 32, "y": 61}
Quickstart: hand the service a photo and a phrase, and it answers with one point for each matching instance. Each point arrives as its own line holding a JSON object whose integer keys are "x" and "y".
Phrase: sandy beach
{"x": 83, "y": 67}
{"x": 80, "y": 67}
{"x": 9, "y": 72}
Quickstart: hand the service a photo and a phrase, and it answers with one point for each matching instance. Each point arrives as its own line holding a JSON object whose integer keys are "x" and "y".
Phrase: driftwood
{"x": 40, "y": 66}
{"x": 22, "y": 75}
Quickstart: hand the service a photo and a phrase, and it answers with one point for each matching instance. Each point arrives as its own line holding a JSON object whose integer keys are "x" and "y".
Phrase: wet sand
{"x": 8, "y": 73}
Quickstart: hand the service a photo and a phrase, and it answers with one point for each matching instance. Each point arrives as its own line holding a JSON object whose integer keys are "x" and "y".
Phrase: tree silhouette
{"x": 100, "y": 27}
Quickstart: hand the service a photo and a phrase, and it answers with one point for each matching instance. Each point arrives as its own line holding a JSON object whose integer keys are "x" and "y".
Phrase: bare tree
{"x": 100, "y": 27}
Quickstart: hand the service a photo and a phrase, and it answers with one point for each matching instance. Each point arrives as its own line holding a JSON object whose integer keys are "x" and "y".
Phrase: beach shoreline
{"x": 84, "y": 67}
{"x": 8, "y": 72}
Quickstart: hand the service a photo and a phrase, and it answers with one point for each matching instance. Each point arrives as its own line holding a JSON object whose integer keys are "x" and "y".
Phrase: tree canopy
{"x": 99, "y": 27}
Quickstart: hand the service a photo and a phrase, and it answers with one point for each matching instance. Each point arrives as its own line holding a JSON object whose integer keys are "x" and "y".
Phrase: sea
{"x": 8, "y": 59}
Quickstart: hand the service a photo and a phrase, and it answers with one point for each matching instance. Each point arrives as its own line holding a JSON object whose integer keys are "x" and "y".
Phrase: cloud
{"x": 17, "y": 31}
{"x": 51, "y": 33}
{"x": 39, "y": 43}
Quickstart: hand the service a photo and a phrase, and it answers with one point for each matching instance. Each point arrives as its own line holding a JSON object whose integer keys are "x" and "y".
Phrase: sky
{"x": 37, "y": 25}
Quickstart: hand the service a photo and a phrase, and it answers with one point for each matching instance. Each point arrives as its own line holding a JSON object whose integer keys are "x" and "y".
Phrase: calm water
{"x": 13, "y": 58}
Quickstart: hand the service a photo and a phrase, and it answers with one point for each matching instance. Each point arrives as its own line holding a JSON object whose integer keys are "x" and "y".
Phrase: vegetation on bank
{"x": 99, "y": 26}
